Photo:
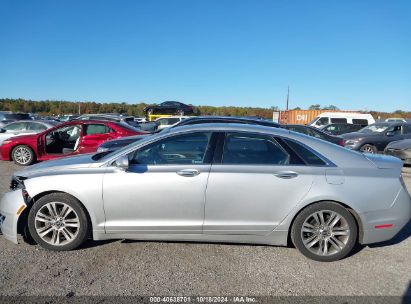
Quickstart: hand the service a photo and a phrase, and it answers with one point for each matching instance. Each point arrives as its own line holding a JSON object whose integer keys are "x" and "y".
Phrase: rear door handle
{"x": 188, "y": 172}
{"x": 286, "y": 174}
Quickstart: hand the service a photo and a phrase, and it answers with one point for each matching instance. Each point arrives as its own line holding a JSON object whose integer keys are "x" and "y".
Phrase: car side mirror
{"x": 390, "y": 133}
{"x": 3, "y": 130}
{"x": 122, "y": 162}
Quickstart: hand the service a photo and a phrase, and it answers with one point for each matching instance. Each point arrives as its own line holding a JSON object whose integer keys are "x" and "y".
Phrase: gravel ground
{"x": 167, "y": 268}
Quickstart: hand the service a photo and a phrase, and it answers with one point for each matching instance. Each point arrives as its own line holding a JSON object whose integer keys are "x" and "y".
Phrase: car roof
{"x": 227, "y": 118}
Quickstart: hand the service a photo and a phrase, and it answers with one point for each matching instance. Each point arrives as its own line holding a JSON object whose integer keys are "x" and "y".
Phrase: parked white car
{"x": 165, "y": 122}
{"x": 25, "y": 127}
{"x": 342, "y": 117}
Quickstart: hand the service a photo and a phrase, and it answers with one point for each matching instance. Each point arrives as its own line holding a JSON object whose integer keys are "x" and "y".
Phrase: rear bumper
{"x": 398, "y": 215}
{"x": 9, "y": 207}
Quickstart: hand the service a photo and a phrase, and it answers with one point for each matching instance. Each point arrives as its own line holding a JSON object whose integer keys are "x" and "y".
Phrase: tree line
{"x": 56, "y": 107}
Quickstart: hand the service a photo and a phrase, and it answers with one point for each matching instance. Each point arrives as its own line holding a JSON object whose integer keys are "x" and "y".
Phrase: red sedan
{"x": 70, "y": 138}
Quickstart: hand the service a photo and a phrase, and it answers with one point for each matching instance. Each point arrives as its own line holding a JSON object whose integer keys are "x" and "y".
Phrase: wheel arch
{"x": 357, "y": 218}
{"x": 22, "y": 223}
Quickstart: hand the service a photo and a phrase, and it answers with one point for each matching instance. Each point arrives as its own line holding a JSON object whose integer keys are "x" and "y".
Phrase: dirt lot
{"x": 160, "y": 268}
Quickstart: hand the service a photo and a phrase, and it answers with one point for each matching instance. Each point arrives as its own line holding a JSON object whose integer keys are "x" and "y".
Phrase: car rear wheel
{"x": 367, "y": 148}
{"x": 325, "y": 232}
{"x": 57, "y": 221}
{"x": 180, "y": 112}
{"x": 23, "y": 155}
{"x": 150, "y": 112}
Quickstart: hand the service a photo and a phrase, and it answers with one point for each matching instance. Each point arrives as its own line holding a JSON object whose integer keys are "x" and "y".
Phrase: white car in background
{"x": 326, "y": 118}
{"x": 165, "y": 122}
{"x": 25, "y": 127}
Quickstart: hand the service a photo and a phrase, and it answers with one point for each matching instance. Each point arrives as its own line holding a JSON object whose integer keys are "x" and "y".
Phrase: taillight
{"x": 341, "y": 142}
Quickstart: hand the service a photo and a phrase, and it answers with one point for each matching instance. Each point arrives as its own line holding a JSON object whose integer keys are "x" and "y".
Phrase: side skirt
{"x": 278, "y": 238}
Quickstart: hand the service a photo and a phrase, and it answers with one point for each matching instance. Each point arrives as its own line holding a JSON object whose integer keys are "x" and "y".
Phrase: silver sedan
{"x": 213, "y": 183}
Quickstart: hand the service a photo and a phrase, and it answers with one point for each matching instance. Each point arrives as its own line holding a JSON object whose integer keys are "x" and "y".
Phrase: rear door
{"x": 94, "y": 135}
{"x": 254, "y": 185}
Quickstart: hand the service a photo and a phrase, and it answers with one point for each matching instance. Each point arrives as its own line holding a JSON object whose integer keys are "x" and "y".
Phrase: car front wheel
{"x": 367, "y": 148}
{"x": 23, "y": 155}
{"x": 57, "y": 221}
{"x": 324, "y": 232}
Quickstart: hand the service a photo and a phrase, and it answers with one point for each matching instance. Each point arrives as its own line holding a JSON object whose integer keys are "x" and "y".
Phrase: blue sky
{"x": 353, "y": 54}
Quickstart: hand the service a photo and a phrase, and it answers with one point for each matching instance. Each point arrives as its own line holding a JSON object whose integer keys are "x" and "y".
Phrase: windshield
{"x": 119, "y": 151}
{"x": 375, "y": 128}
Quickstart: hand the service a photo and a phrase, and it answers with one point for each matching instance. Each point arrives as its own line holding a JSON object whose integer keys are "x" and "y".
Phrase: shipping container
{"x": 301, "y": 117}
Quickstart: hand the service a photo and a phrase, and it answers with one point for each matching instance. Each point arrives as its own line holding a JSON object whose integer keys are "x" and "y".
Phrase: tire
{"x": 367, "y": 148}
{"x": 180, "y": 112}
{"x": 311, "y": 241}
{"x": 66, "y": 231}
{"x": 150, "y": 112}
{"x": 23, "y": 155}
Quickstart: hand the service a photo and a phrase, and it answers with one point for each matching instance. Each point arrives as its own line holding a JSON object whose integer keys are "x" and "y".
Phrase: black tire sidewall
{"x": 33, "y": 156}
{"x": 73, "y": 203}
{"x": 299, "y": 220}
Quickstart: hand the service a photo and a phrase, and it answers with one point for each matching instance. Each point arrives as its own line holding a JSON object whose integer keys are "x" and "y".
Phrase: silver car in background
{"x": 213, "y": 183}
{"x": 25, "y": 127}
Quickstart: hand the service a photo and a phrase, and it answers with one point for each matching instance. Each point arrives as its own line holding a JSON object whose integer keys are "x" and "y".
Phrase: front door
{"x": 163, "y": 189}
{"x": 254, "y": 187}
{"x": 61, "y": 141}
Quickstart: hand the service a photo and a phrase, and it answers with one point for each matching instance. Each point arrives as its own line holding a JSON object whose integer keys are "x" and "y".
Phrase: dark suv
{"x": 340, "y": 128}
{"x": 169, "y": 107}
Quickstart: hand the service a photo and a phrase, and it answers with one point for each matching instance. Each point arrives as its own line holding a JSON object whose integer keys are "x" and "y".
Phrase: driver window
{"x": 322, "y": 121}
{"x": 177, "y": 150}
{"x": 396, "y": 130}
{"x": 63, "y": 140}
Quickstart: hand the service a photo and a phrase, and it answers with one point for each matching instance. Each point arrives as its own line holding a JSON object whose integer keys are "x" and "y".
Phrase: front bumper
{"x": 398, "y": 215}
{"x": 10, "y": 205}
{"x": 405, "y": 155}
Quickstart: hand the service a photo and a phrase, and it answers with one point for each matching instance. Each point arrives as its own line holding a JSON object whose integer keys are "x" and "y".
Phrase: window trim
{"x": 218, "y": 156}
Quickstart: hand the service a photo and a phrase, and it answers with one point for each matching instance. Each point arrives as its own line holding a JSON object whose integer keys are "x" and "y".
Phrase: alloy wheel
{"x": 325, "y": 232}
{"x": 57, "y": 223}
{"x": 22, "y": 155}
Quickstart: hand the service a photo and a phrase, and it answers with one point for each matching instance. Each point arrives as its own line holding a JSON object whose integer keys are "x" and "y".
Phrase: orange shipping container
{"x": 302, "y": 117}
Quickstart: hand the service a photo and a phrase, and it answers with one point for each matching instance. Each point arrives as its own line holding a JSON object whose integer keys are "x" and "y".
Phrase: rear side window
{"x": 309, "y": 157}
{"x": 96, "y": 129}
{"x": 322, "y": 121}
{"x": 338, "y": 120}
{"x": 253, "y": 149}
{"x": 362, "y": 122}
{"x": 36, "y": 126}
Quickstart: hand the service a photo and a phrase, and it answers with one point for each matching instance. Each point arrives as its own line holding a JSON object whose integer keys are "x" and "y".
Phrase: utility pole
{"x": 288, "y": 97}
{"x": 79, "y": 110}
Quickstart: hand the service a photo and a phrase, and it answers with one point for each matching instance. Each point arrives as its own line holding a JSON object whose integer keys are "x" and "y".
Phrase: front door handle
{"x": 188, "y": 172}
{"x": 286, "y": 174}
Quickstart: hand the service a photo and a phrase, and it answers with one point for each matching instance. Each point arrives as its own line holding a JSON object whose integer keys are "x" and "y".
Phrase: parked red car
{"x": 70, "y": 138}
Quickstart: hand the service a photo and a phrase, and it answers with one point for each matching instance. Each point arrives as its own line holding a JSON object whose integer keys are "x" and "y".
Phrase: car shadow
{"x": 407, "y": 295}
{"x": 91, "y": 244}
{"x": 404, "y": 234}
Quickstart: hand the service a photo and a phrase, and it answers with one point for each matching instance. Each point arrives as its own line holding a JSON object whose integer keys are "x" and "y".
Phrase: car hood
{"x": 27, "y": 137}
{"x": 54, "y": 166}
{"x": 400, "y": 144}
